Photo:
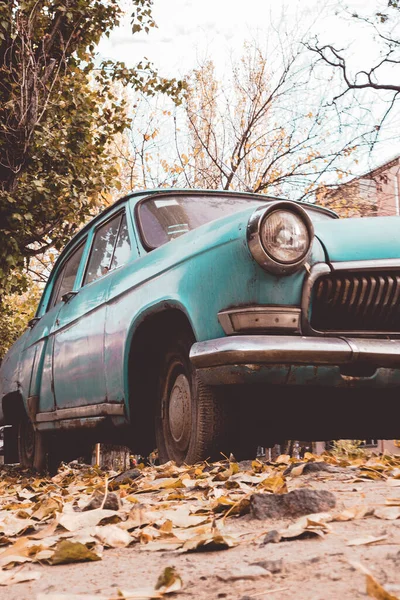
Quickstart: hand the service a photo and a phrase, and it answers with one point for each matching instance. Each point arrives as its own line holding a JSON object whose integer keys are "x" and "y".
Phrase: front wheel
{"x": 194, "y": 421}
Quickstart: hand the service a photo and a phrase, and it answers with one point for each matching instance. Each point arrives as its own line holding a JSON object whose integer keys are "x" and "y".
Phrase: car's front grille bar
{"x": 357, "y": 301}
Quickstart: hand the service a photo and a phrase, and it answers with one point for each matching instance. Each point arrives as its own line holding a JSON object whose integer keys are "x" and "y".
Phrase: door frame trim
{"x": 90, "y": 410}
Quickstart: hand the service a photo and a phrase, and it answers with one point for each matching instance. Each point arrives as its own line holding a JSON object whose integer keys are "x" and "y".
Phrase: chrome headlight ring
{"x": 258, "y": 244}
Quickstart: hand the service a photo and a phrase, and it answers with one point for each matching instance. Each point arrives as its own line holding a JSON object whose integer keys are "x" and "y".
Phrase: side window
{"x": 110, "y": 248}
{"x": 123, "y": 246}
{"x": 66, "y": 277}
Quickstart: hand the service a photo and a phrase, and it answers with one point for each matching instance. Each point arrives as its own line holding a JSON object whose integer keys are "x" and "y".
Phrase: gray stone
{"x": 127, "y": 476}
{"x": 295, "y": 504}
{"x": 96, "y": 501}
{"x": 273, "y": 566}
{"x": 310, "y": 467}
{"x": 272, "y": 537}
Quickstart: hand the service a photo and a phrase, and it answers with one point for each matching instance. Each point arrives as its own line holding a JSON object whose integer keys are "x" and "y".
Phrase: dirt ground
{"x": 320, "y": 567}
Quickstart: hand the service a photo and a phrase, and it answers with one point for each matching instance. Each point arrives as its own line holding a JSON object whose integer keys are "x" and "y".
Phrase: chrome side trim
{"x": 295, "y": 350}
{"x": 260, "y": 318}
{"x": 258, "y": 251}
{"x": 79, "y": 412}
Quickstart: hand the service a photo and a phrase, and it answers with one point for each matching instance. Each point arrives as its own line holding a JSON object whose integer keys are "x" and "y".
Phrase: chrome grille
{"x": 357, "y": 301}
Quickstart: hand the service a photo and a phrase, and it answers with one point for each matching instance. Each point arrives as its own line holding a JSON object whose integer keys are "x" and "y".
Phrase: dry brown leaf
{"x": 283, "y": 459}
{"x": 371, "y": 473}
{"x": 233, "y": 506}
{"x": 275, "y": 484}
{"x": 374, "y": 588}
{"x": 210, "y": 540}
{"x": 353, "y": 513}
{"x": 298, "y": 470}
{"x": 46, "y": 531}
{"x": 180, "y": 517}
{"x": 112, "y": 536}
{"x": 166, "y": 527}
{"x": 72, "y": 552}
{"x": 46, "y": 508}
{"x": 11, "y": 525}
{"x": 9, "y": 578}
{"x": 166, "y": 544}
{"x": 390, "y": 513}
{"x": 16, "y": 554}
{"x": 308, "y": 525}
{"x": 169, "y": 581}
{"x": 366, "y": 540}
{"x": 13, "y": 560}
{"x": 73, "y": 521}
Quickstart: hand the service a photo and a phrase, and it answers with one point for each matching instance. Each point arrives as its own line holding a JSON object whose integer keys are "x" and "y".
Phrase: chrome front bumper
{"x": 295, "y": 350}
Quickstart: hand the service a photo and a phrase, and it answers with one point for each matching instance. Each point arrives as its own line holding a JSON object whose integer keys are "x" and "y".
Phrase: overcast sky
{"x": 190, "y": 31}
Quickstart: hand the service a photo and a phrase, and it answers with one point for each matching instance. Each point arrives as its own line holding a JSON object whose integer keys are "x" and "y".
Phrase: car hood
{"x": 359, "y": 238}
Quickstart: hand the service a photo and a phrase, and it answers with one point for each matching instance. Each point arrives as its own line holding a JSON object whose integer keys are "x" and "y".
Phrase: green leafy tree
{"x": 59, "y": 109}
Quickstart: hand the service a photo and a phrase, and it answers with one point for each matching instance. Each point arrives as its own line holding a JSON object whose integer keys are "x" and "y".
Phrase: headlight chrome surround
{"x": 257, "y": 249}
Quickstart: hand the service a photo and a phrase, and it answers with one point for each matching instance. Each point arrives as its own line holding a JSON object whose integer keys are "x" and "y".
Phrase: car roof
{"x": 141, "y": 194}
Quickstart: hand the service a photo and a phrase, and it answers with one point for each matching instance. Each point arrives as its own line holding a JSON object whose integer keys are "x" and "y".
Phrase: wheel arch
{"x": 144, "y": 353}
{"x": 12, "y": 406}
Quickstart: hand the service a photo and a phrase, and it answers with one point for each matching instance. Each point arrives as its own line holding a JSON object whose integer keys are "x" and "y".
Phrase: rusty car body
{"x": 204, "y": 321}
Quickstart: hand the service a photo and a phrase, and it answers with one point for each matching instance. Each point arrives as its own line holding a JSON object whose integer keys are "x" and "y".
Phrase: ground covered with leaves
{"x": 324, "y": 527}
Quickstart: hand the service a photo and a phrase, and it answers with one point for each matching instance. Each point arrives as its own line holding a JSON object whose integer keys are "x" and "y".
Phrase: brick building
{"x": 374, "y": 193}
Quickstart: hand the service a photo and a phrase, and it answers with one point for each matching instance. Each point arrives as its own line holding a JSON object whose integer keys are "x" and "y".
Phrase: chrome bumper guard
{"x": 293, "y": 350}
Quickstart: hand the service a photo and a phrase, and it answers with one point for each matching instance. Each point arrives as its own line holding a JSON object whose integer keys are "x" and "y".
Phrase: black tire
{"x": 193, "y": 420}
{"x": 32, "y": 448}
{"x": 10, "y": 445}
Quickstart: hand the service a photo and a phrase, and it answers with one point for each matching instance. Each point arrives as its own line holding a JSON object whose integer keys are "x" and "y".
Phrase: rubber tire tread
{"x": 210, "y": 432}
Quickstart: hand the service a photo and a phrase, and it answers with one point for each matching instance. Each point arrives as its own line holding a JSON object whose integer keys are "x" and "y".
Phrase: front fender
{"x": 200, "y": 274}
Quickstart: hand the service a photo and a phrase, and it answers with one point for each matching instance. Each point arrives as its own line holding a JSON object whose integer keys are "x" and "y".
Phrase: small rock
{"x": 293, "y": 504}
{"x": 273, "y": 566}
{"x": 310, "y": 467}
{"x": 272, "y": 537}
{"x": 250, "y": 572}
{"x": 127, "y": 476}
{"x": 96, "y": 501}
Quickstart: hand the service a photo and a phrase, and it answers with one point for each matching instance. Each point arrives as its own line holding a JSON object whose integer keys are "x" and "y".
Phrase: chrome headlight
{"x": 280, "y": 237}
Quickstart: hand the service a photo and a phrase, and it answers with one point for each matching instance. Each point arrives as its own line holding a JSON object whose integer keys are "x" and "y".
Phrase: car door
{"x": 78, "y": 363}
{"x": 36, "y": 377}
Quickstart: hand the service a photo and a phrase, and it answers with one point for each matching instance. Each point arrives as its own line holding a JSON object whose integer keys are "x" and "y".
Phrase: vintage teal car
{"x": 197, "y": 322}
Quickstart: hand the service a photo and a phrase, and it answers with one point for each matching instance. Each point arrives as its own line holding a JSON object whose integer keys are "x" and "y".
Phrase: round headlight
{"x": 284, "y": 236}
{"x": 280, "y": 236}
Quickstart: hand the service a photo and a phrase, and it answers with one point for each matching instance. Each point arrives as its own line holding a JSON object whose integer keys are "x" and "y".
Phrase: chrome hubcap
{"x": 179, "y": 412}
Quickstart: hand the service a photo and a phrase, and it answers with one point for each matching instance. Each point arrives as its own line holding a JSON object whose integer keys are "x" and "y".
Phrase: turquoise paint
{"x": 80, "y": 349}
{"x": 360, "y": 239}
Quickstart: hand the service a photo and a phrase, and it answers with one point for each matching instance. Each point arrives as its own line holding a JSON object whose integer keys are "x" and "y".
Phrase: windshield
{"x": 165, "y": 218}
